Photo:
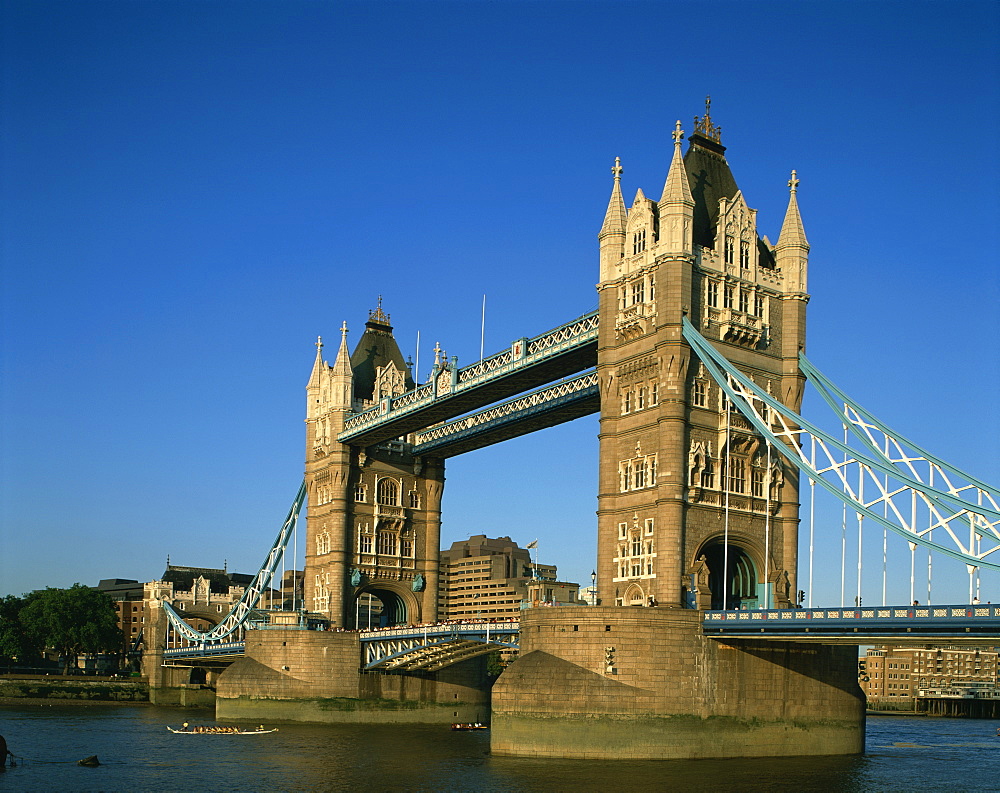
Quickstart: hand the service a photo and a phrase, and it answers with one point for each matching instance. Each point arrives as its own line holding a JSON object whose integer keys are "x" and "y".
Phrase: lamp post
{"x": 593, "y": 588}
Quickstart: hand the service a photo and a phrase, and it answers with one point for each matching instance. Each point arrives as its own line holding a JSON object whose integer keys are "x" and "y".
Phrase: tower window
{"x": 360, "y": 492}
{"x": 758, "y": 306}
{"x": 744, "y": 253}
{"x": 729, "y": 249}
{"x": 712, "y": 294}
{"x": 639, "y": 241}
{"x": 699, "y": 393}
{"x": 388, "y": 492}
{"x": 757, "y": 482}
{"x": 744, "y": 301}
{"x": 638, "y": 291}
{"x": 414, "y": 499}
{"x": 727, "y": 297}
{"x": 736, "y": 478}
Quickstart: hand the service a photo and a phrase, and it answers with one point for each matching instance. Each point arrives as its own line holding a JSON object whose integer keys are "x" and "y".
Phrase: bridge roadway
{"x": 526, "y": 364}
{"x": 432, "y": 647}
{"x": 959, "y": 624}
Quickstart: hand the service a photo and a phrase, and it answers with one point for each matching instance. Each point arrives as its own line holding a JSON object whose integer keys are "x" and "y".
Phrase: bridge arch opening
{"x": 733, "y": 580}
{"x": 380, "y": 608}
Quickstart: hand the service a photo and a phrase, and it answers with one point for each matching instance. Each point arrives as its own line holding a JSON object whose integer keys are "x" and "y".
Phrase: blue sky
{"x": 192, "y": 192}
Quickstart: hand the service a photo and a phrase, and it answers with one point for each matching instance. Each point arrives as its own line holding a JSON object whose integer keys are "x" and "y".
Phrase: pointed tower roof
{"x": 376, "y": 347}
{"x": 318, "y": 365}
{"x": 342, "y": 366}
{"x": 792, "y": 231}
{"x": 614, "y": 218}
{"x": 677, "y": 189}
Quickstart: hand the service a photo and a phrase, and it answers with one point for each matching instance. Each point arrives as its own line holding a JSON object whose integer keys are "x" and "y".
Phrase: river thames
{"x": 138, "y": 753}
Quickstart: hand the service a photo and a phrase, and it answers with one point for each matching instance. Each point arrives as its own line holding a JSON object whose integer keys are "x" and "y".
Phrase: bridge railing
{"x": 906, "y": 620}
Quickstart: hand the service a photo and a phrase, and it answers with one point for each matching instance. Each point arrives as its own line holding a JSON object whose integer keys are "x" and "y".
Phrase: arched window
{"x": 388, "y": 492}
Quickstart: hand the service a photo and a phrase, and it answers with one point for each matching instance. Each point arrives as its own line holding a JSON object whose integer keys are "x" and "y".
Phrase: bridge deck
{"x": 958, "y": 624}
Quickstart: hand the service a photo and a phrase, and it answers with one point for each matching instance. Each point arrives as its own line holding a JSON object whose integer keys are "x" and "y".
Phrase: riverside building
{"x": 490, "y": 578}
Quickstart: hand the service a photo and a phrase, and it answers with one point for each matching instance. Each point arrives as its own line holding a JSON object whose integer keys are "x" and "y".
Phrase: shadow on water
{"x": 138, "y": 753}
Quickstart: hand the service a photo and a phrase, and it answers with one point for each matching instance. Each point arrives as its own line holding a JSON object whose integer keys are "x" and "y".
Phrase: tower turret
{"x": 676, "y": 205}
{"x": 342, "y": 378}
{"x": 612, "y": 234}
{"x": 792, "y": 250}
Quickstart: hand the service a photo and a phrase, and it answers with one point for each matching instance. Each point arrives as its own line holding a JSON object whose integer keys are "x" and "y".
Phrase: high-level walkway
{"x": 526, "y": 364}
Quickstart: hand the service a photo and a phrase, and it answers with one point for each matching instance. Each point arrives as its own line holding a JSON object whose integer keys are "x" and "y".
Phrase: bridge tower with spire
{"x": 694, "y": 510}
{"x": 374, "y": 518}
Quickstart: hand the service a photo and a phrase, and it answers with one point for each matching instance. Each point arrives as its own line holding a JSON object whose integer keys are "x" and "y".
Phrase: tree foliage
{"x": 15, "y": 645}
{"x": 71, "y": 621}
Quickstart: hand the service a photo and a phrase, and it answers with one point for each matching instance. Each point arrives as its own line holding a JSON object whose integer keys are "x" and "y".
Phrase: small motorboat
{"x": 467, "y": 727}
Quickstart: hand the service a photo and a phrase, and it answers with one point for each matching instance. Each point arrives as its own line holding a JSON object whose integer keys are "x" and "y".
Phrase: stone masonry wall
{"x": 644, "y": 683}
{"x": 315, "y": 676}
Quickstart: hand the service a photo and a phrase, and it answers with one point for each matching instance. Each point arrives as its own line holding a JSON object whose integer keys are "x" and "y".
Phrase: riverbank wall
{"x": 50, "y": 688}
{"x": 315, "y": 676}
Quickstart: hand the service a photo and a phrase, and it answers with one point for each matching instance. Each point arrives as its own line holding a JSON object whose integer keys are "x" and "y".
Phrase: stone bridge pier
{"x": 643, "y": 683}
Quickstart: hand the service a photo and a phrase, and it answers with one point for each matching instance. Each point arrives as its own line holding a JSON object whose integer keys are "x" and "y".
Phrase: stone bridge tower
{"x": 374, "y": 519}
{"x": 694, "y": 509}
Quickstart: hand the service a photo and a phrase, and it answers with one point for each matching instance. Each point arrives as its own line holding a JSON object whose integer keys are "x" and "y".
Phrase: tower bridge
{"x": 695, "y": 361}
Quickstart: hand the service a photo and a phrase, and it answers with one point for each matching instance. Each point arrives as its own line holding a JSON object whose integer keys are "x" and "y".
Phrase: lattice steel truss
{"x": 234, "y": 623}
{"x": 882, "y": 476}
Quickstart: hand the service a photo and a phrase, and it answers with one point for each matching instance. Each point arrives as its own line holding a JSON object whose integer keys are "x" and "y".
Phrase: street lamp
{"x": 593, "y": 588}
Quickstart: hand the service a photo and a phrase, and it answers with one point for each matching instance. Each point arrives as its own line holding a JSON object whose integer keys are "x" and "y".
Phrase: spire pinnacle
{"x": 614, "y": 218}
{"x": 678, "y": 133}
{"x": 792, "y": 232}
{"x": 676, "y": 190}
{"x": 378, "y": 315}
{"x": 705, "y": 127}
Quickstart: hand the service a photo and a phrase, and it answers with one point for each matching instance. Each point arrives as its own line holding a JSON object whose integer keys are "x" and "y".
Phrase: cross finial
{"x": 617, "y": 169}
{"x": 678, "y": 133}
{"x": 708, "y": 105}
{"x": 793, "y": 183}
{"x": 437, "y": 352}
{"x": 343, "y": 328}
{"x": 319, "y": 343}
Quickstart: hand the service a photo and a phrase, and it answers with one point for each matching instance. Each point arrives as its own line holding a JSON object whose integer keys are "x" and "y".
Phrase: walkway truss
{"x": 878, "y": 473}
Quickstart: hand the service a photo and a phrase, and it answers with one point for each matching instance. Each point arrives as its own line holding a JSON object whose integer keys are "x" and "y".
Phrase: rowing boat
{"x": 216, "y": 731}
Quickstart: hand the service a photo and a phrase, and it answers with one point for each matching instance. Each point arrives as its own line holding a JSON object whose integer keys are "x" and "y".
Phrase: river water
{"x": 137, "y": 753}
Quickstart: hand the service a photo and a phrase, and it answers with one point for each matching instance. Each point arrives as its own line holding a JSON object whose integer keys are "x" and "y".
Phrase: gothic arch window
{"x": 387, "y": 492}
{"x": 638, "y": 241}
{"x": 736, "y": 474}
{"x": 712, "y": 293}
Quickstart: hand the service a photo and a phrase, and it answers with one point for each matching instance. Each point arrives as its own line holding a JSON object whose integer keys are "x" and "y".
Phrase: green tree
{"x": 71, "y": 621}
{"x": 15, "y": 646}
